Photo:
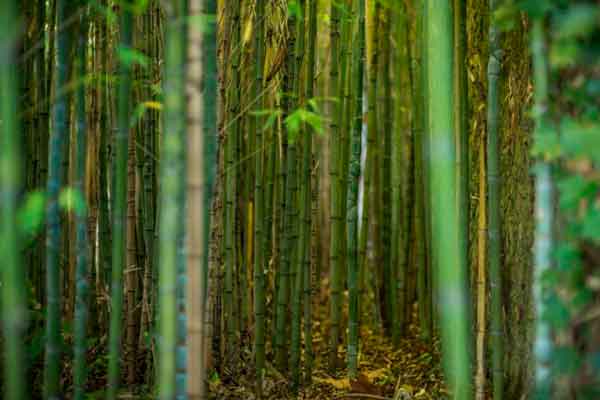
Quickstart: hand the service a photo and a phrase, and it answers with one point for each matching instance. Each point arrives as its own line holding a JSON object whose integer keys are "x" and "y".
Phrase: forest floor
{"x": 411, "y": 371}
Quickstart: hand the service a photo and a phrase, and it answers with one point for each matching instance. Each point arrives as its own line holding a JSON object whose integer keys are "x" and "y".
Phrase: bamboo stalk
{"x": 13, "y": 289}
{"x": 259, "y": 230}
{"x": 334, "y": 176}
{"x": 449, "y": 269}
{"x": 543, "y": 215}
{"x": 172, "y": 189}
{"x": 53, "y": 233}
{"x": 494, "y": 223}
{"x": 82, "y": 271}
{"x": 358, "y": 56}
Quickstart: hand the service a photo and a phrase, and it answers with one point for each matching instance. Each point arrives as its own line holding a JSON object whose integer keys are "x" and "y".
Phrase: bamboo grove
{"x": 299, "y": 199}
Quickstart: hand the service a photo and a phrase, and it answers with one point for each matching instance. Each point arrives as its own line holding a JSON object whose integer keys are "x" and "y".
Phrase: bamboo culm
{"x": 13, "y": 288}
{"x": 358, "y": 62}
{"x": 259, "y": 229}
{"x": 494, "y": 227}
{"x": 448, "y": 266}
{"x": 334, "y": 174}
{"x": 82, "y": 268}
{"x": 172, "y": 188}
{"x": 53, "y": 220}
{"x": 544, "y": 218}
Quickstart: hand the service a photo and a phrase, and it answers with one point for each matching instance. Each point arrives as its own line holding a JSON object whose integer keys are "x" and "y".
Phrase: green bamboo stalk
{"x": 172, "y": 188}
{"x": 181, "y": 355}
{"x": 343, "y": 117}
{"x": 259, "y": 261}
{"x": 82, "y": 268}
{"x": 461, "y": 123}
{"x": 393, "y": 147}
{"x": 43, "y": 127}
{"x": 389, "y": 208}
{"x": 148, "y": 204}
{"x": 358, "y": 62}
{"x": 119, "y": 214}
{"x": 371, "y": 154}
{"x": 493, "y": 184}
{"x": 290, "y": 188}
{"x": 210, "y": 79}
{"x": 450, "y": 270}
{"x": 281, "y": 254}
{"x": 13, "y": 302}
{"x": 543, "y": 215}
{"x": 334, "y": 174}
{"x": 304, "y": 203}
{"x": 427, "y": 248}
{"x": 104, "y": 220}
{"x": 231, "y": 144}
{"x": 311, "y": 200}
{"x": 55, "y": 174}
{"x": 344, "y": 121}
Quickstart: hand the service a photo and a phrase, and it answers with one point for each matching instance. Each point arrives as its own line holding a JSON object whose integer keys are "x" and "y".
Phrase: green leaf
{"x": 576, "y": 21}
{"x": 292, "y": 123}
{"x": 564, "y": 53}
{"x": 130, "y": 57}
{"x": 590, "y": 228}
{"x": 31, "y": 214}
{"x": 556, "y": 313}
{"x": 580, "y": 139}
{"x": 583, "y": 296}
{"x": 71, "y": 199}
{"x": 567, "y": 257}
{"x": 313, "y": 119}
{"x": 573, "y": 189}
{"x": 546, "y": 143}
{"x": 271, "y": 120}
{"x": 535, "y": 8}
{"x": 565, "y": 360}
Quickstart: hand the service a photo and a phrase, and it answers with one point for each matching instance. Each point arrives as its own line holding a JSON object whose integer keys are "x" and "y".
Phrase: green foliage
{"x": 308, "y": 114}
{"x": 569, "y": 143}
{"x": 31, "y": 214}
{"x": 567, "y": 361}
{"x": 71, "y": 199}
{"x": 130, "y": 57}
{"x": 573, "y": 189}
{"x": 302, "y": 115}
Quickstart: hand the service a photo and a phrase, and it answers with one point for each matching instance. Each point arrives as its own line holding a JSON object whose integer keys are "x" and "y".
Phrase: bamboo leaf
{"x": 130, "y": 57}
{"x": 31, "y": 214}
{"x": 71, "y": 199}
